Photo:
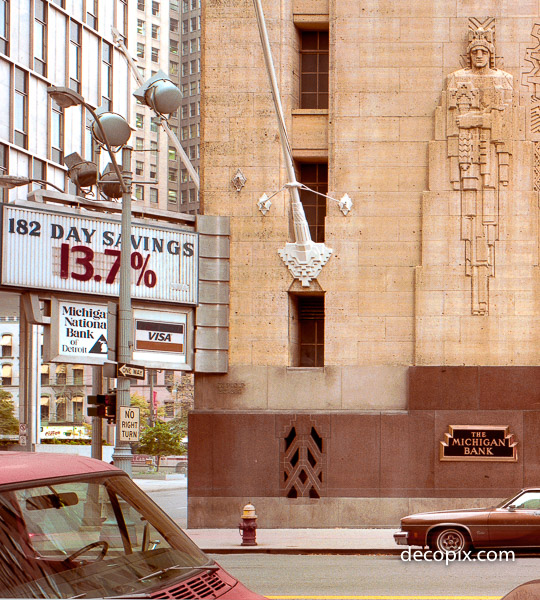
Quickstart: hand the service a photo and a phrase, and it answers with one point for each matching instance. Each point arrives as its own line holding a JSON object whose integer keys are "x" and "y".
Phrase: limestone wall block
{"x": 488, "y": 353}
{"x": 410, "y": 228}
{"x": 399, "y": 279}
{"x": 512, "y": 278}
{"x": 492, "y": 328}
{"x": 429, "y": 353}
{"x": 378, "y": 179}
{"x": 309, "y": 131}
{"x": 516, "y": 29}
{"x": 412, "y": 178}
{"x": 341, "y": 303}
{"x": 385, "y": 353}
{"x": 241, "y": 302}
{"x": 438, "y": 251}
{"x": 310, "y": 7}
{"x": 513, "y": 252}
{"x": 527, "y": 303}
{"x": 437, "y": 327}
{"x": 339, "y": 354}
{"x": 345, "y": 252}
{"x": 425, "y": 29}
{"x": 353, "y": 278}
{"x": 275, "y": 229}
{"x": 449, "y": 278}
{"x": 407, "y": 204}
{"x": 389, "y": 253}
{"x": 377, "y": 79}
{"x": 466, "y": 8}
{"x": 271, "y": 304}
{"x": 429, "y": 302}
{"x": 452, "y": 52}
{"x": 239, "y": 352}
{"x": 370, "y": 29}
{"x": 405, "y": 104}
{"x": 347, "y": 104}
{"x": 528, "y": 8}
{"x": 393, "y": 153}
{"x": 401, "y": 55}
{"x": 376, "y": 129}
{"x": 441, "y": 227}
{"x": 241, "y": 254}
{"x": 439, "y": 171}
{"x": 522, "y": 159}
{"x": 271, "y": 353}
{"x": 416, "y": 129}
{"x": 399, "y": 304}
{"x": 374, "y": 388}
{"x": 420, "y": 79}
{"x": 456, "y": 303}
{"x": 390, "y": 8}
{"x": 399, "y": 328}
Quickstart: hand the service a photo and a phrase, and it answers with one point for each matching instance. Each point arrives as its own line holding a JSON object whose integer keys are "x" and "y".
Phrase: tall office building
{"x": 168, "y": 39}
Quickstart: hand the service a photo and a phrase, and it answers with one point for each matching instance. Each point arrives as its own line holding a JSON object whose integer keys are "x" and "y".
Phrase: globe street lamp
{"x": 112, "y": 130}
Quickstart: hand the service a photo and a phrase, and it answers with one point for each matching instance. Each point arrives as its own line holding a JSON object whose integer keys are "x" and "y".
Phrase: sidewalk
{"x": 299, "y": 541}
{"x": 283, "y": 541}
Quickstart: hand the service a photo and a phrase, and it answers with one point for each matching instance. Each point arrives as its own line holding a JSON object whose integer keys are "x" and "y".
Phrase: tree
{"x": 144, "y": 405}
{"x": 161, "y": 440}
{"x": 9, "y": 424}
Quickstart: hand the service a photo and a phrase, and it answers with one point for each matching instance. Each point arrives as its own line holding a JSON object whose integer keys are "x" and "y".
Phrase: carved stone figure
{"x": 479, "y": 129}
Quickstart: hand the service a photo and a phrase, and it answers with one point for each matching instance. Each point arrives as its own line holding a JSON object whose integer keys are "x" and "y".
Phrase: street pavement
{"x": 284, "y": 541}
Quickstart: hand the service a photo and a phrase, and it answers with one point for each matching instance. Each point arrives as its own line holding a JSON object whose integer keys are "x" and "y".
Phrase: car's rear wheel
{"x": 450, "y": 540}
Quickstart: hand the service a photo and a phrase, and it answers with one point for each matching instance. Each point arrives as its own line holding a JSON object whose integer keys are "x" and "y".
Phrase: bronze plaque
{"x": 478, "y": 442}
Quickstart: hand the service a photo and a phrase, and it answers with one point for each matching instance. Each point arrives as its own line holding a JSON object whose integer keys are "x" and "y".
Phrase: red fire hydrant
{"x": 248, "y": 526}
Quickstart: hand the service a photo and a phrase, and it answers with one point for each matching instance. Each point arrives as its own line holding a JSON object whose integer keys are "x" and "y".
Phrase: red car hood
{"x": 443, "y": 515}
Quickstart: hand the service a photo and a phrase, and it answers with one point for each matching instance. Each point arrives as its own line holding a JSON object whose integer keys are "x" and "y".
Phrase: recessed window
{"x": 155, "y": 54}
{"x": 7, "y": 345}
{"x": 155, "y": 8}
{"x": 141, "y": 27}
{"x": 106, "y": 75}
{"x": 74, "y": 56}
{"x": 155, "y": 32}
{"x": 314, "y": 176}
{"x": 91, "y": 13}
{"x": 7, "y": 374}
{"x": 57, "y": 133}
{"x": 314, "y": 69}
{"x": 153, "y": 195}
{"x": 307, "y": 330}
{"x": 20, "y": 116}
{"x": 40, "y": 37}
{"x": 4, "y": 26}
{"x": 78, "y": 375}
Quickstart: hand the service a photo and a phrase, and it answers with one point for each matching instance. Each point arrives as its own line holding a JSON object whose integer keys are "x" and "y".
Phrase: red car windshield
{"x": 90, "y": 538}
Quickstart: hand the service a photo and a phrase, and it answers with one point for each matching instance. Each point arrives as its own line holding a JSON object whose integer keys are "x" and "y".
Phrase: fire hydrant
{"x": 248, "y": 526}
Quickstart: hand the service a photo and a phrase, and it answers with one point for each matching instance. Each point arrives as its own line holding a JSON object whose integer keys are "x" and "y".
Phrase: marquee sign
{"x": 478, "y": 442}
{"x": 53, "y": 249}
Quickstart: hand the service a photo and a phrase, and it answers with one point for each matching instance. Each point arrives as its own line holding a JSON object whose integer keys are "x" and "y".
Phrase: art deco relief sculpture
{"x": 479, "y": 130}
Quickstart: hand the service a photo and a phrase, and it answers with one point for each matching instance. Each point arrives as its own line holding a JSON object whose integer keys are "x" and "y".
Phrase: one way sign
{"x": 130, "y": 371}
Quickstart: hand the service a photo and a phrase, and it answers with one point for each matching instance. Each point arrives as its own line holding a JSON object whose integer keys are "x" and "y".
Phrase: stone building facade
{"x": 426, "y": 316}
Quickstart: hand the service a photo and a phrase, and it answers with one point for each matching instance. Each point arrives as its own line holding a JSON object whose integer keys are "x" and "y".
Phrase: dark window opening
{"x": 314, "y": 176}
{"x": 311, "y": 330}
{"x": 314, "y": 69}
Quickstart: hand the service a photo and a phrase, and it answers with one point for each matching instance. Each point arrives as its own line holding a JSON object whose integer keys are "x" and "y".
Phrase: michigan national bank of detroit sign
{"x": 478, "y": 442}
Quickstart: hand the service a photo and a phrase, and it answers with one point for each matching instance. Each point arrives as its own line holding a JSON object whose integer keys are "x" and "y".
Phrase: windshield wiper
{"x": 179, "y": 568}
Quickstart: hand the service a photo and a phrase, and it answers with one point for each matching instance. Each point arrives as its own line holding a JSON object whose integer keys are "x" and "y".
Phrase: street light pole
{"x": 122, "y": 450}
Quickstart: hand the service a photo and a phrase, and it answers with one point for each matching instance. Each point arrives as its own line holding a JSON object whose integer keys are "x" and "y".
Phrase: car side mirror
{"x": 512, "y": 508}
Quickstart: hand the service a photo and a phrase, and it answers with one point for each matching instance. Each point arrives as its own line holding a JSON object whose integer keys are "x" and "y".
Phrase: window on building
{"x": 184, "y": 176}
{"x": 169, "y": 409}
{"x": 140, "y": 50}
{"x": 174, "y": 5}
{"x": 7, "y": 374}
{"x": 192, "y": 67}
{"x": 184, "y": 132}
{"x": 44, "y": 404}
{"x": 194, "y": 4}
{"x": 4, "y": 155}
{"x": 142, "y": 72}
{"x": 155, "y": 8}
{"x": 140, "y": 5}
{"x": 122, "y": 19}
{"x": 173, "y": 175}
{"x": 139, "y": 143}
{"x": 154, "y": 196}
{"x": 184, "y": 69}
{"x": 314, "y": 69}
{"x": 185, "y": 48}
{"x": 185, "y": 26}
{"x": 155, "y": 32}
{"x": 314, "y": 176}
{"x": 7, "y": 345}
{"x": 172, "y": 196}
{"x": 154, "y": 125}
{"x": 77, "y": 405}
{"x": 57, "y": 133}
{"x": 139, "y": 167}
{"x": 106, "y": 75}
{"x": 91, "y": 13}
{"x": 193, "y": 24}
{"x": 78, "y": 375}
{"x": 39, "y": 171}
{"x": 60, "y": 3}
{"x": 172, "y": 153}
{"x": 153, "y": 171}
{"x": 173, "y": 68}
{"x": 61, "y": 409}
{"x": 193, "y": 88}
{"x": 20, "y": 116}
{"x": 4, "y": 26}
{"x": 173, "y": 46}
{"x": 45, "y": 374}
{"x": 184, "y": 196}
{"x": 139, "y": 121}
{"x": 74, "y": 56}
{"x": 192, "y": 152}
{"x": 193, "y": 131}
{"x": 173, "y": 25}
{"x": 141, "y": 27}
{"x": 154, "y": 149}
{"x": 185, "y": 90}
{"x": 307, "y": 331}
{"x": 61, "y": 374}
{"x": 139, "y": 193}
{"x": 40, "y": 37}
{"x": 155, "y": 54}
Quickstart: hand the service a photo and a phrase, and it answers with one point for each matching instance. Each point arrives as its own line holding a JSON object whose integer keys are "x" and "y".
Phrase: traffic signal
{"x": 104, "y": 406}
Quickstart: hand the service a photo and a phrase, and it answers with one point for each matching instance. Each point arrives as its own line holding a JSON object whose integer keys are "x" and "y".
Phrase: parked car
{"x": 514, "y": 523}
{"x": 74, "y": 527}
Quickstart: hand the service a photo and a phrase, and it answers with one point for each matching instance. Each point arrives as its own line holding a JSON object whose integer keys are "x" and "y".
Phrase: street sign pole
{"x": 122, "y": 450}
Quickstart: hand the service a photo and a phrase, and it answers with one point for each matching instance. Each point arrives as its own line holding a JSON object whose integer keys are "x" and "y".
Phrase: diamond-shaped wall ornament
{"x": 264, "y": 204}
{"x": 345, "y": 204}
{"x": 239, "y": 180}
